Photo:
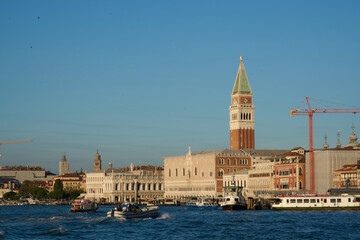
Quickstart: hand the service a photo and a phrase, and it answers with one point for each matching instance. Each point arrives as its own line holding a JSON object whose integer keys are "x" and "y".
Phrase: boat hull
{"x": 146, "y": 213}
{"x": 234, "y": 207}
{"x": 314, "y": 208}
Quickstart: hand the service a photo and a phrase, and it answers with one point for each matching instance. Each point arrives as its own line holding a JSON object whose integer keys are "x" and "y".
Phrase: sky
{"x": 140, "y": 80}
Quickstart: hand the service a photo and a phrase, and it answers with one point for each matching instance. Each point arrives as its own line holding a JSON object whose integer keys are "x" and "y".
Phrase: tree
{"x": 58, "y": 192}
{"x": 11, "y": 196}
{"x": 58, "y": 185}
{"x": 25, "y": 188}
{"x": 38, "y": 193}
{"x": 74, "y": 194}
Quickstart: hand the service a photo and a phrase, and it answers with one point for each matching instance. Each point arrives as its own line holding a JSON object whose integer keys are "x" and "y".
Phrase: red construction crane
{"x": 18, "y": 141}
{"x": 309, "y": 112}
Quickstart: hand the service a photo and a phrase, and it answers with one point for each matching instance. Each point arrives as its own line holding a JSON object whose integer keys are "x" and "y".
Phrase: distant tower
{"x": 242, "y": 123}
{"x": 63, "y": 166}
{"x": 338, "y": 144}
{"x": 97, "y": 161}
{"x": 325, "y": 146}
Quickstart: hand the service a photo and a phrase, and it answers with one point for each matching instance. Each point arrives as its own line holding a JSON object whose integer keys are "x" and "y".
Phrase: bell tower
{"x": 97, "y": 162}
{"x": 242, "y": 123}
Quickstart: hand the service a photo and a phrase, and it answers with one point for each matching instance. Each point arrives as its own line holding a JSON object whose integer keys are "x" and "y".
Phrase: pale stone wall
{"x": 114, "y": 186}
{"x": 261, "y": 179}
{"x": 190, "y": 175}
{"x": 22, "y": 175}
{"x": 240, "y": 179}
{"x": 325, "y": 163}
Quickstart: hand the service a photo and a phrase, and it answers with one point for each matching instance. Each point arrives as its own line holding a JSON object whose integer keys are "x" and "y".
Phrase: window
{"x": 228, "y": 161}
{"x": 299, "y": 200}
{"x": 176, "y": 172}
{"x": 333, "y": 200}
{"x": 313, "y": 200}
{"x": 339, "y": 200}
{"x": 195, "y": 171}
{"x": 183, "y": 171}
{"x": 210, "y": 174}
{"x": 300, "y": 171}
{"x": 235, "y": 162}
{"x": 325, "y": 201}
{"x": 169, "y": 172}
{"x": 220, "y": 173}
{"x": 292, "y": 200}
{"x": 306, "y": 200}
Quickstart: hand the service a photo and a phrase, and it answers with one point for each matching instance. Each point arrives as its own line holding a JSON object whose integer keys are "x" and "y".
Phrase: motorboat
{"x": 134, "y": 211}
{"x": 203, "y": 203}
{"x": 83, "y": 205}
{"x": 233, "y": 199}
{"x": 316, "y": 202}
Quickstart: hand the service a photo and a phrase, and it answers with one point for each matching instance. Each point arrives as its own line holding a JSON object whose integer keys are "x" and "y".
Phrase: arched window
{"x": 300, "y": 171}
{"x": 221, "y": 173}
{"x": 300, "y": 185}
{"x": 235, "y": 162}
{"x": 229, "y": 161}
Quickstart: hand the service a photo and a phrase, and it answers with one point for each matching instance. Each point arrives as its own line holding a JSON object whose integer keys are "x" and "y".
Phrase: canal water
{"x": 56, "y": 222}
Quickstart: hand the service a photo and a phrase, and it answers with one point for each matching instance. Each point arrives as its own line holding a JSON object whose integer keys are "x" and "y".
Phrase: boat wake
{"x": 165, "y": 216}
{"x": 56, "y": 231}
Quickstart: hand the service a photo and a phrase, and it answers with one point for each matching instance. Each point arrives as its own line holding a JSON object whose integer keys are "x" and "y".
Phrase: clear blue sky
{"x": 138, "y": 80}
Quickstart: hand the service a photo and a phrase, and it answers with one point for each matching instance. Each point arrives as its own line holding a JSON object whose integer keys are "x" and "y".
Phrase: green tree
{"x": 25, "y": 188}
{"x": 38, "y": 193}
{"x": 74, "y": 194}
{"x": 11, "y": 196}
{"x": 58, "y": 185}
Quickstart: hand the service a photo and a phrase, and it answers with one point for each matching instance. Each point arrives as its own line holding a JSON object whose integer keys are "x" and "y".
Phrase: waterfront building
{"x": 72, "y": 181}
{"x": 242, "y": 119}
{"x": 22, "y": 173}
{"x": 200, "y": 174}
{"x": 240, "y": 179}
{"x": 326, "y": 162}
{"x": 8, "y": 185}
{"x": 260, "y": 180}
{"x": 289, "y": 171}
{"x": 347, "y": 177}
{"x": 63, "y": 166}
{"x": 116, "y": 185}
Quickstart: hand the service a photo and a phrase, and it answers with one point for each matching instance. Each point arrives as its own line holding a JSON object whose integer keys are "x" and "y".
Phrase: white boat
{"x": 134, "y": 211}
{"x": 83, "y": 205}
{"x": 317, "y": 202}
{"x": 233, "y": 199}
{"x": 203, "y": 203}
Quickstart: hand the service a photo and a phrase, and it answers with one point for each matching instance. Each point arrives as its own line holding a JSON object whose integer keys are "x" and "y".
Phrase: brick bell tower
{"x": 242, "y": 123}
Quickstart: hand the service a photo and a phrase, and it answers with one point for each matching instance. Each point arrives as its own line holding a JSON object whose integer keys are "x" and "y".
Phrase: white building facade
{"x": 114, "y": 185}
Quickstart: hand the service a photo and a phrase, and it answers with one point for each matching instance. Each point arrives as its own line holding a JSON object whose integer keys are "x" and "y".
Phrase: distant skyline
{"x": 138, "y": 80}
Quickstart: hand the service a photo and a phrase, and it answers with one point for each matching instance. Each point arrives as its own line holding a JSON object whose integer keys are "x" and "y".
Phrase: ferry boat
{"x": 317, "y": 202}
{"x": 83, "y": 205}
{"x": 233, "y": 199}
{"x": 134, "y": 211}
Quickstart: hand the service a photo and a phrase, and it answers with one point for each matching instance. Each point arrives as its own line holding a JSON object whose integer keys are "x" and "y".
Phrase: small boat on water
{"x": 83, "y": 205}
{"x": 233, "y": 199}
{"x": 203, "y": 203}
{"x": 134, "y": 211}
{"x": 317, "y": 202}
